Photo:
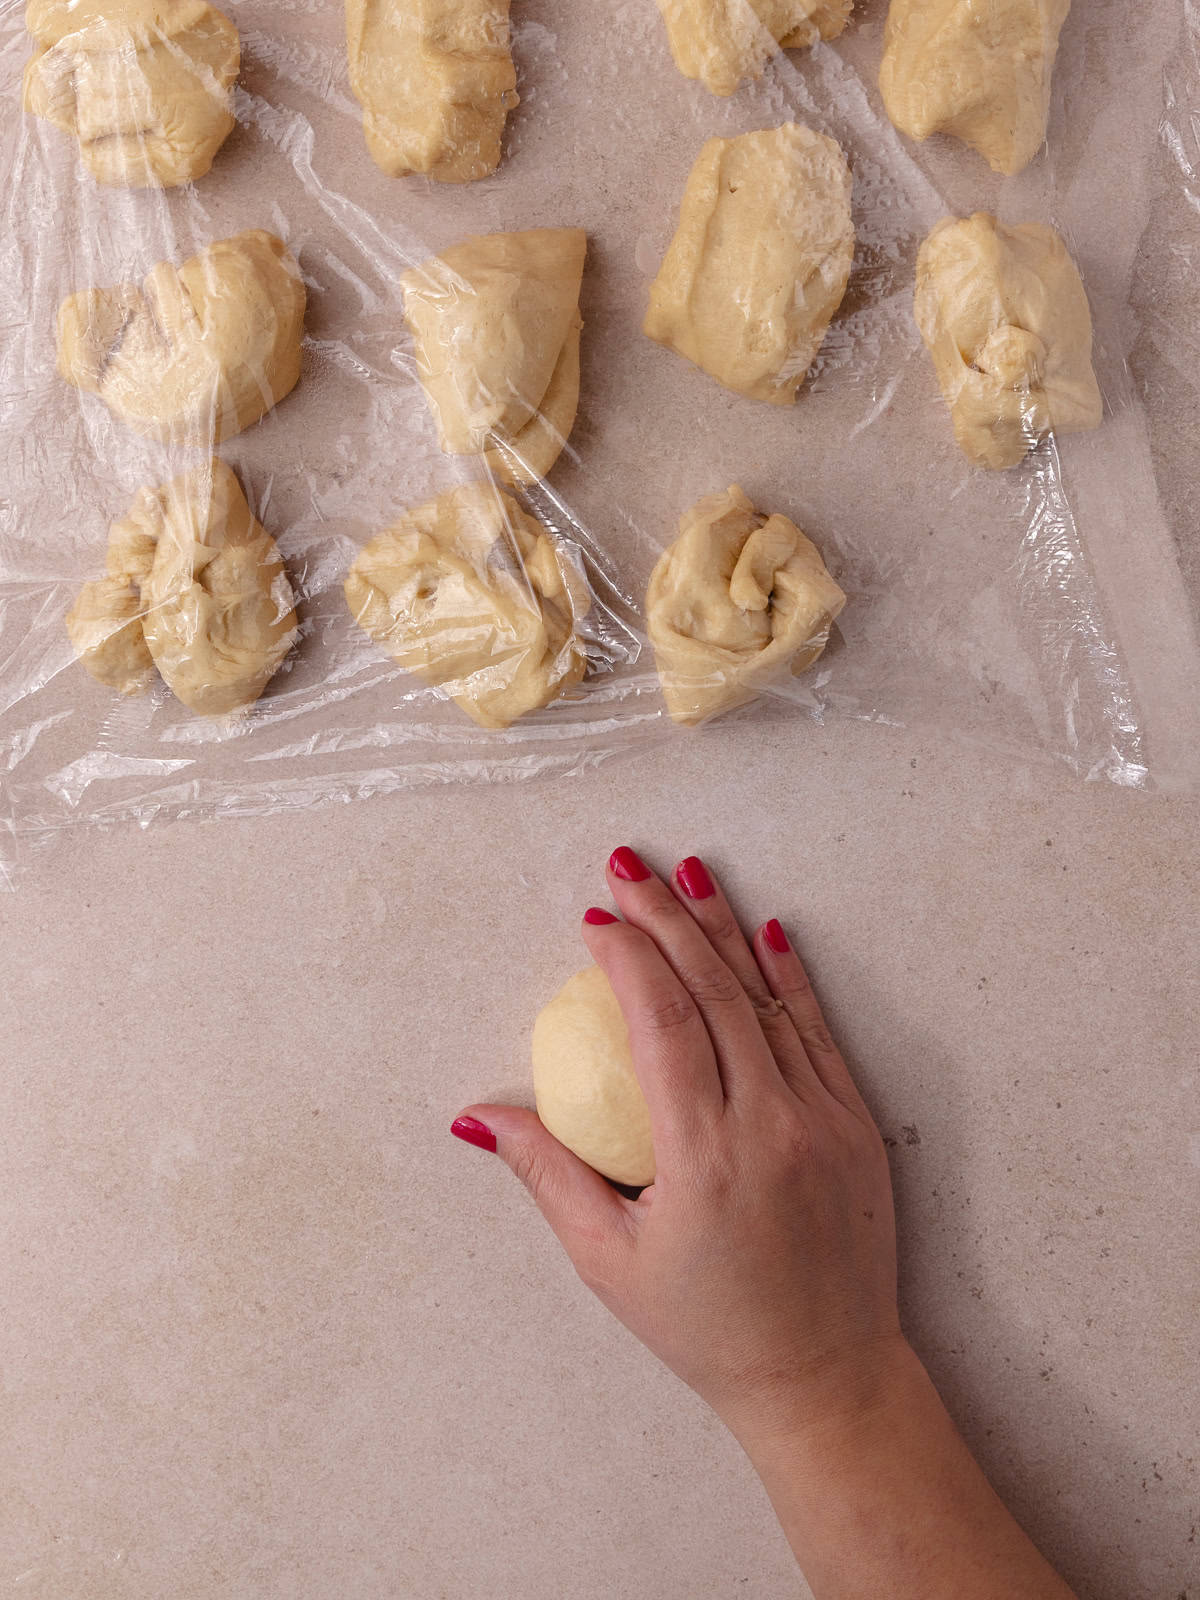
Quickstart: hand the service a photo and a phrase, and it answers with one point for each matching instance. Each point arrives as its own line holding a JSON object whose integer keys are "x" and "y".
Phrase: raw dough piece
{"x": 724, "y": 42}
{"x": 476, "y": 598}
{"x": 737, "y": 600}
{"x": 759, "y": 261}
{"x": 144, "y": 85}
{"x": 1005, "y": 317}
{"x": 196, "y": 588}
{"x": 436, "y": 80}
{"x": 583, "y": 1080}
{"x": 495, "y": 321}
{"x": 978, "y": 71}
{"x": 195, "y": 353}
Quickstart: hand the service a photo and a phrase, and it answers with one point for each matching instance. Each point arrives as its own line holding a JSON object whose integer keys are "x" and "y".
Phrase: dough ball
{"x": 1004, "y": 314}
{"x": 738, "y": 600}
{"x": 584, "y": 1083}
{"x": 724, "y": 42}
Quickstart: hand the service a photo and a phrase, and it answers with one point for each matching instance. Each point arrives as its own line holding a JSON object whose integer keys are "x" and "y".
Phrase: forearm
{"x": 889, "y": 1500}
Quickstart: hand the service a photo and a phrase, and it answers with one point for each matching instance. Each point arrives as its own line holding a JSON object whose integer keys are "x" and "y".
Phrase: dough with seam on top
{"x": 724, "y": 42}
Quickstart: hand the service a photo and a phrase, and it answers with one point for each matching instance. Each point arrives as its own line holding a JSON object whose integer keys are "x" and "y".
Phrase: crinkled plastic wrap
{"x": 1046, "y": 610}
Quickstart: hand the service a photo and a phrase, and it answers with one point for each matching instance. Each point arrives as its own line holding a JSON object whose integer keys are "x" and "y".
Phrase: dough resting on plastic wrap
{"x": 739, "y": 599}
{"x": 144, "y": 85}
{"x": 583, "y": 1080}
{"x": 1005, "y": 317}
{"x": 759, "y": 261}
{"x": 724, "y": 42}
{"x": 436, "y": 82}
{"x": 474, "y": 596}
{"x": 195, "y": 587}
{"x": 496, "y": 325}
{"x": 196, "y": 353}
{"x": 978, "y": 71}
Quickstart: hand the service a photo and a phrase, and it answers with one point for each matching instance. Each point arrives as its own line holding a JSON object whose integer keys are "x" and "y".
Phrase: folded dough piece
{"x": 979, "y": 72}
{"x": 759, "y": 261}
{"x": 724, "y": 42}
{"x": 476, "y": 598}
{"x": 144, "y": 85}
{"x": 195, "y": 587}
{"x": 1004, "y": 314}
{"x": 496, "y": 325}
{"x": 737, "y": 600}
{"x": 195, "y": 353}
{"x": 436, "y": 81}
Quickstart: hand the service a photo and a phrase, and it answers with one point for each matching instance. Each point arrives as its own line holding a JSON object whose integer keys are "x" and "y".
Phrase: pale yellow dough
{"x": 495, "y": 323}
{"x": 144, "y": 85}
{"x": 724, "y": 42}
{"x": 474, "y": 596}
{"x": 759, "y": 261}
{"x": 738, "y": 600}
{"x": 1005, "y": 317}
{"x": 195, "y": 587}
{"x": 194, "y": 353}
{"x": 583, "y": 1080}
{"x": 978, "y": 71}
{"x": 436, "y": 81}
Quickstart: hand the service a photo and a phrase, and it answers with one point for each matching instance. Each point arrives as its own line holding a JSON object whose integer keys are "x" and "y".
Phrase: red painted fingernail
{"x": 598, "y": 918}
{"x": 694, "y": 879}
{"x": 472, "y": 1131}
{"x": 623, "y": 863}
{"x": 774, "y": 937}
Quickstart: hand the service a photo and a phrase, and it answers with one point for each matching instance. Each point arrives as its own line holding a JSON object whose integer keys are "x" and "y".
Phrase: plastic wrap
{"x": 1043, "y": 610}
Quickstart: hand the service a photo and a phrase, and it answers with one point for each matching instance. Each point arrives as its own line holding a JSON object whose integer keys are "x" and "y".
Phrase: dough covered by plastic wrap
{"x": 435, "y": 79}
{"x": 584, "y": 1084}
{"x": 496, "y": 325}
{"x": 473, "y": 595}
{"x": 759, "y": 261}
{"x": 739, "y": 599}
{"x": 978, "y": 71}
{"x": 1005, "y": 317}
{"x": 144, "y": 85}
{"x": 195, "y": 587}
{"x": 196, "y": 353}
{"x": 724, "y": 42}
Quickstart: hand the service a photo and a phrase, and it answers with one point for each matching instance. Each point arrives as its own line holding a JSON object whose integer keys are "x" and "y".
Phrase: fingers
{"x": 789, "y": 983}
{"x": 731, "y": 1021}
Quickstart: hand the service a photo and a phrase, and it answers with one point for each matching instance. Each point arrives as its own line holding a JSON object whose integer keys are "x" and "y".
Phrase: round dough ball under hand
{"x": 583, "y": 1080}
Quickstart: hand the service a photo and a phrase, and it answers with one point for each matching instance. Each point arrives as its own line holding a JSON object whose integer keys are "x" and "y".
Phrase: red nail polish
{"x": 598, "y": 918}
{"x": 774, "y": 937}
{"x": 472, "y": 1131}
{"x": 623, "y": 863}
{"x": 694, "y": 879}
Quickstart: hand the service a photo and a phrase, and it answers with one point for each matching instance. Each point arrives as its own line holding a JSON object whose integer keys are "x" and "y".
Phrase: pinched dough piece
{"x": 583, "y": 1080}
{"x": 759, "y": 261}
{"x": 737, "y": 600}
{"x": 979, "y": 72}
{"x": 1005, "y": 317}
{"x": 195, "y": 587}
{"x": 496, "y": 325}
{"x": 195, "y": 353}
{"x": 724, "y": 42}
{"x": 476, "y": 598}
{"x": 436, "y": 81}
{"x": 144, "y": 85}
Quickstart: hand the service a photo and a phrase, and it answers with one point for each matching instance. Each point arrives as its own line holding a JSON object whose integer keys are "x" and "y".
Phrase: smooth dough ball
{"x": 724, "y": 42}
{"x": 737, "y": 600}
{"x": 583, "y": 1080}
{"x": 144, "y": 85}
{"x": 195, "y": 353}
{"x": 1004, "y": 314}
{"x": 475, "y": 597}
{"x": 436, "y": 81}
{"x": 759, "y": 262}
{"x": 979, "y": 72}
{"x": 496, "y": 325}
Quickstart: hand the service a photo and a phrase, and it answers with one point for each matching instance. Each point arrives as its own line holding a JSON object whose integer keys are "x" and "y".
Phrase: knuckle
{"x": 722, "y": 929}
{"x": 716, "y": 986}
{"x": 815, "y": 1036}
{"x": 667, "y": 1014}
